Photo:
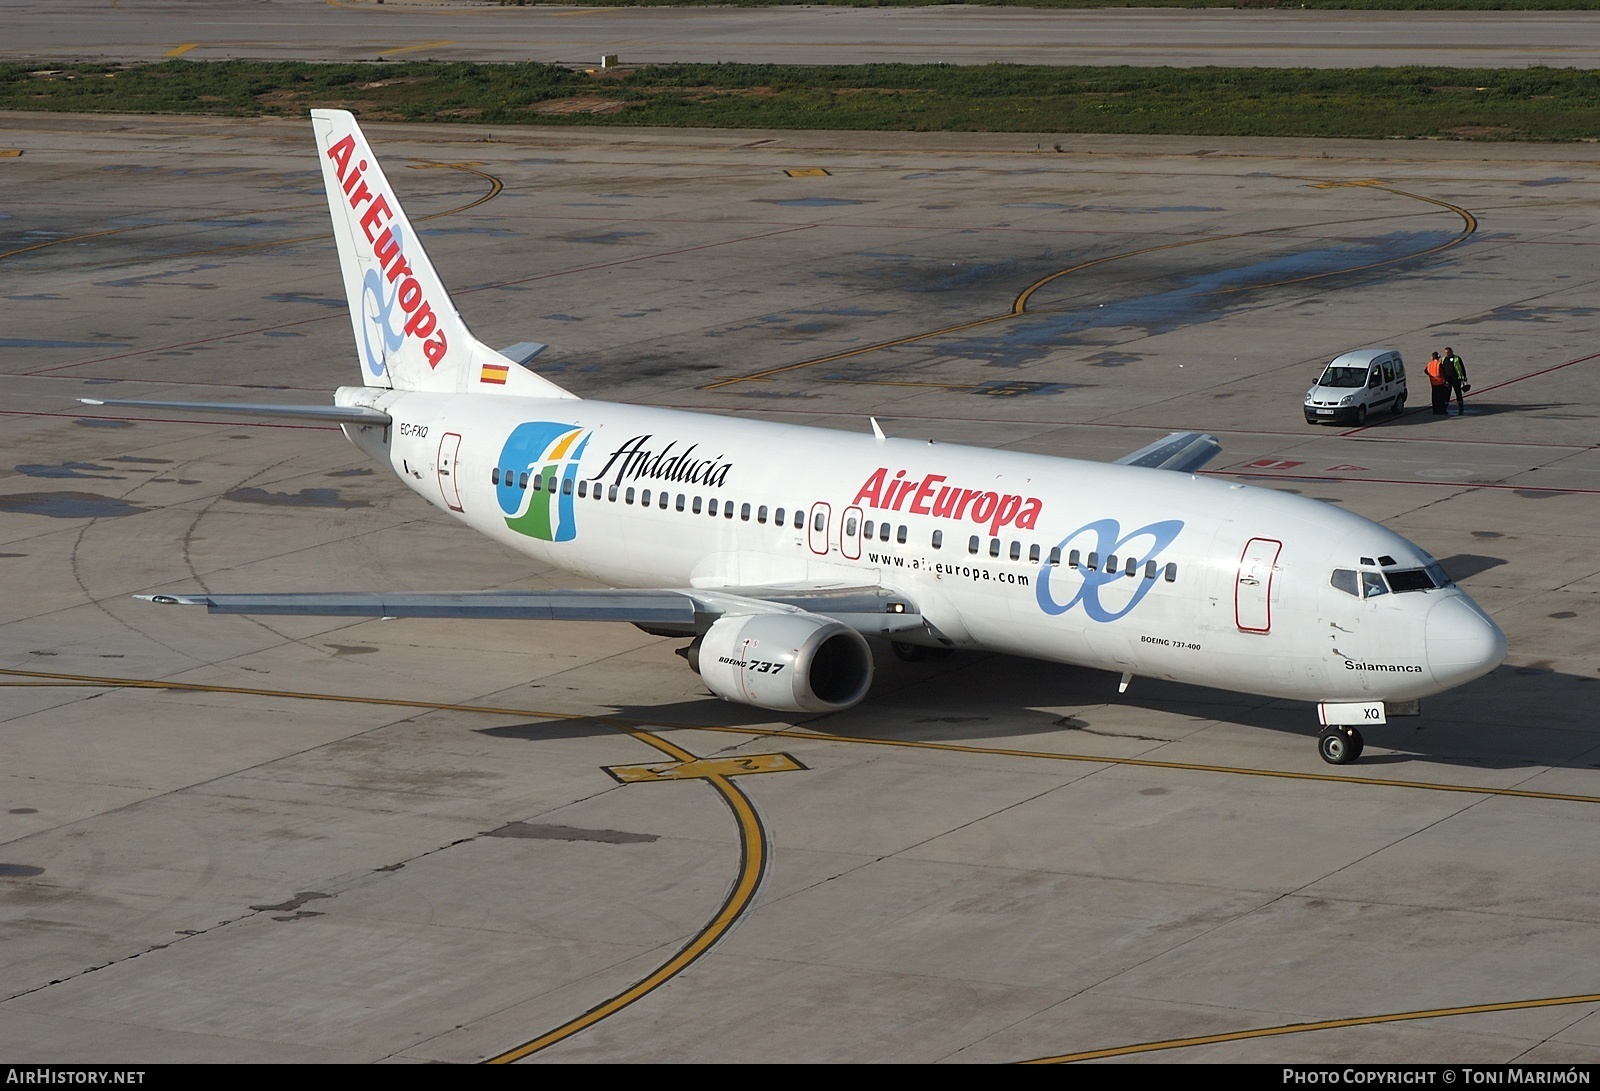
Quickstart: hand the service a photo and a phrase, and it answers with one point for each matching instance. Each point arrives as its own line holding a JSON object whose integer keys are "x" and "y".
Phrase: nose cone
{"x": 1462, "y": 641}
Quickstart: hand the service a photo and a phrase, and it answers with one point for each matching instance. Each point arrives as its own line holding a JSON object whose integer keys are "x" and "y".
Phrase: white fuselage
{"x": 1217, "y": 584}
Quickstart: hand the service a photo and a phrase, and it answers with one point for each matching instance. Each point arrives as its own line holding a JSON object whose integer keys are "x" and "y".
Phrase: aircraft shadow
{"x": 1513, "y": 718}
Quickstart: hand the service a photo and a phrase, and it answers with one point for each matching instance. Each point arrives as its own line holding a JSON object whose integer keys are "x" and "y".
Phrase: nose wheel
{"x": 1340, "y": 745}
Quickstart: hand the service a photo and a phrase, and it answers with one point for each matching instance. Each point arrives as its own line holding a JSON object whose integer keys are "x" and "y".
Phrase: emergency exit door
{"x": 1252, "y": 589}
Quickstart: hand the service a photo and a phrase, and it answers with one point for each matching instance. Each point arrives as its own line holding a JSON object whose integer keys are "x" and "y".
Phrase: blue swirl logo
{"x": 1105, "y": 593}
{"x": 379, "y": 315}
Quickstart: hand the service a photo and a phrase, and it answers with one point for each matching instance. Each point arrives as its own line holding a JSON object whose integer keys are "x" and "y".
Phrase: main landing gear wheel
{"x": 1340, "y": 745}
{"x": 916, "y": 653}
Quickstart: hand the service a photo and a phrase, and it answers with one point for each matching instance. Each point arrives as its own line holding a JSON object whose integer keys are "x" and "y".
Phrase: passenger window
{"x": 938, "y": 539}
{"x": 744, "y": 512}
{"x": 1171, "y": 573}
{"x": 1033, "y": 553}
{"x": 1133, "y": 566}
{"x": 583, "y": 488}
{"x": 627, "y": 497}
{"x": 850, "y": 527}
{"x": 711, "y": 508}
{"x": 612, "y": 495}
{"x": 1073, "y": 558}
{"x": 972, "y": 544}
{"x": 777, "y": 518}
{"x": 494, "y": 476}
{"x": 695, "y": 507}
{"x": 1344, "y": 579}
{"x": 799, "y": 519}
{"x": 727, "y": 510}
{"x": 662, "y": 503}
{"x": 1055, "y": 556}
{"x": 1016, "y": 551}
{"x": 681, "y": 499}
{"x": 866, "y": 529}
{"x": 820, "y": 523}
{"x": 994, "y": 547}
{"x": 644, "y": 498}
{"x": 1093, "y": 564}
{"x": 883, "y": 532}
{"x": 522, "y": 480}
{"x": 900, "y": 535}
{"x": 566, "y": 486}
{"x": 761, "y": 514}
{"x": 1372, "y": 585}
{"x": 1149, "y": 570}
{"x": 1111, "y": 564}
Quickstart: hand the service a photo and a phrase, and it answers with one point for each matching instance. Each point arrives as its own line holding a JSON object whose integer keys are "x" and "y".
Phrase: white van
{"x": 1355, "y": 384}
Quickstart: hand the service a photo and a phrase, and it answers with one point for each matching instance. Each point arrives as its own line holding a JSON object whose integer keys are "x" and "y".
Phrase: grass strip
{"x": 1550, "y": 104}
{"x": 1317, "y": 5}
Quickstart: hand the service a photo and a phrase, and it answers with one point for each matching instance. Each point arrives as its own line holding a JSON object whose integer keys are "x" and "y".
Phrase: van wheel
{"x": 1361, "y": 414}
{"x": 1400, "y": 405}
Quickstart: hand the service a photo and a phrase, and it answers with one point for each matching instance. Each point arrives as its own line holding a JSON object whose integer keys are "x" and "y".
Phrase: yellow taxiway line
{"x": 752, "y": 869}
{"x": 1304, "y": 1028}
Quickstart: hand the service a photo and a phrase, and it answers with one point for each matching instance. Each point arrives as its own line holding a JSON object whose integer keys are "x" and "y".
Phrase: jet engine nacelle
{"x": 787, "y": 662}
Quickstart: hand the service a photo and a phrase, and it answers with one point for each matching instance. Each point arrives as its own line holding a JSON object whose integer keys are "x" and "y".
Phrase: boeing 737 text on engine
{"x": 776, "y": 569}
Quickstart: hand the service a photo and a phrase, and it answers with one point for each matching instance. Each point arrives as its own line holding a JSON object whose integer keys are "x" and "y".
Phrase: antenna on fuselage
{"x": 877, "y": 431}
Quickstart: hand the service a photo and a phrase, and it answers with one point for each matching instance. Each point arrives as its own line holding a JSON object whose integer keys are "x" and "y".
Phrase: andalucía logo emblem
{"x": 538, "y": 472}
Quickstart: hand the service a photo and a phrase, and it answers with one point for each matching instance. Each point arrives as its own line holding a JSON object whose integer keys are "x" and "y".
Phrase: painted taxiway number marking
{"x": 10, "y": 153}
{"x": 806, "y": 172}
{"x": 701, "y": 768}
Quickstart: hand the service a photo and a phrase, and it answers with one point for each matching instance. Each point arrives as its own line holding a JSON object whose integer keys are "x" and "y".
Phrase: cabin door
{"x": 449, "y": 448}
{"x": 1252, "y": 589}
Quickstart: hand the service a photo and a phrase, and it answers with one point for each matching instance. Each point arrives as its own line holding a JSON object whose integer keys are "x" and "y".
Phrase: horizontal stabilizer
{"x": 326, "y": 414}
{"x": 523, "y": 351}
{"x": 1184, "y": 452}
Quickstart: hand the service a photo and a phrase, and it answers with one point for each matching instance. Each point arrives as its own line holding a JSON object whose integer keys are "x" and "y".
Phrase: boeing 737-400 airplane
{"x": 776, "y": 549}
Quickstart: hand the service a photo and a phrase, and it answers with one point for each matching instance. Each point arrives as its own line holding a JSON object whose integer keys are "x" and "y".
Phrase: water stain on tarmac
{"x": 67, "y": 469}
{"x": 68, "y": 505}
{"x": 542, "y": 832}
{"x": 305, "y": 498}
{"x": 1198, "y": 299}
{"x": 28, "y": 871}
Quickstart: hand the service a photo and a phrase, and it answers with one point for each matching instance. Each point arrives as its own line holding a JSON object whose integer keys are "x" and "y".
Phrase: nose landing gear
{"x": 1340, "y": 745}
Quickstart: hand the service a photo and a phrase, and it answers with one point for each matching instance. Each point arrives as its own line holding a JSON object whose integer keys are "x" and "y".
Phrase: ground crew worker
{"x": 1455, "y": 372}
{"x": 1439, "y": 381}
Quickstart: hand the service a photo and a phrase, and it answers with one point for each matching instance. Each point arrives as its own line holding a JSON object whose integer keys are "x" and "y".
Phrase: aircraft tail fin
{"x": 407, "y": 329}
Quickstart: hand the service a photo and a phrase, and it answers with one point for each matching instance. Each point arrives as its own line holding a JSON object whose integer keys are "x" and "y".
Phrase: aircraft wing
{"x": 1184, "y": 452}
{"x": 664, "y": 612}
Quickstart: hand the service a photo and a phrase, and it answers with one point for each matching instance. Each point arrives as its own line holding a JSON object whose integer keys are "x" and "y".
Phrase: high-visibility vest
{"x": 1436, "y": 372}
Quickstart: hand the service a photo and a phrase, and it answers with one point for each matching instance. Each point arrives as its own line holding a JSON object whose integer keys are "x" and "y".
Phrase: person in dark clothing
{"x": 1455, "y": 372}
{"x": 1439, "y": 386}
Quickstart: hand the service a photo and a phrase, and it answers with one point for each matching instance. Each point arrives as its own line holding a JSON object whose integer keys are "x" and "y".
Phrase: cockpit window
{"x": 1349, "y": 377}
{"x": 1410, "y": 579}
{"x": 1419, "y": 579}
{"x": 1344, "y": 579}
{"x": 1372, "y": 585}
